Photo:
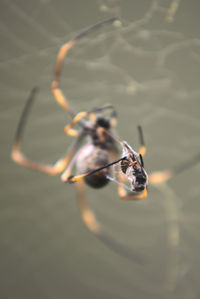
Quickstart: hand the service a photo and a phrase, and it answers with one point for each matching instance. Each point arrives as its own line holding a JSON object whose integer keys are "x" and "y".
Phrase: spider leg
{"x": 124, "y": 195}
{"x": 68, "y": 129}
{"x": 73, "y": 179}
{"x": 91, "y": 114}
{"x": 66, "y": 174}
{"x": 20, "y": 158}
{"x": 158, "y": 177}
{"x": 59, "y": 96}
{"x": 163, "y": 176}
{"x": 86, "y": 213}
{"x": 142, "y": 149}
{"x": 93, "y": 225}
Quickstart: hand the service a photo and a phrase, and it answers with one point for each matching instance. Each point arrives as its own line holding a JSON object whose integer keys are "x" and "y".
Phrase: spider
{"x": 94, "y": 160}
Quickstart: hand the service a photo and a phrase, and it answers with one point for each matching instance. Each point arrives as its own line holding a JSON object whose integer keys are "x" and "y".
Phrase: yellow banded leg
{"x": 124, "y": 195}
{"x": 58, "y": 94}
{"x": 86, "y": 213}
{"x": 18, "y": 156}
{"x": 68, "y": 129}
{"x": 158, "y": 177}
{"x": 54, "y": 169}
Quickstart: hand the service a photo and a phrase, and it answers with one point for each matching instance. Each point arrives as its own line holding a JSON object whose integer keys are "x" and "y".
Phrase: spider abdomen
{"x": 90, "y": 158}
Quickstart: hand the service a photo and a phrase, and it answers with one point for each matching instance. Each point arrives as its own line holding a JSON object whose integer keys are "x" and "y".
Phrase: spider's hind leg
{"x": 91, "y": 223}
{"x": 158, "y": 177}
{"x": 86, "y": 213}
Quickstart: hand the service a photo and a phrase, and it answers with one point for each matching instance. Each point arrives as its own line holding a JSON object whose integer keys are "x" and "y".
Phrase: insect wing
{"x": 117, "y": 176}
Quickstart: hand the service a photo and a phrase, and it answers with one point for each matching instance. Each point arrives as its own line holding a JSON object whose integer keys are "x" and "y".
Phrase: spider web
{"x": 149, "y": 69}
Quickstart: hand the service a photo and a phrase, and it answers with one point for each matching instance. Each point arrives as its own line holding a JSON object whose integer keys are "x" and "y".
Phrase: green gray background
{"x": 149, "y": 69}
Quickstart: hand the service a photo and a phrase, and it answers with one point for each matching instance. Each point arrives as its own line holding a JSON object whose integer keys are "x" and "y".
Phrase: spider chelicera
{"x": 94, "y": 160}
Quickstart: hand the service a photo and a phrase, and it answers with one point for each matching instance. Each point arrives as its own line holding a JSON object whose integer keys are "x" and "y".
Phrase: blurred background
{"x": 149, "y": 69}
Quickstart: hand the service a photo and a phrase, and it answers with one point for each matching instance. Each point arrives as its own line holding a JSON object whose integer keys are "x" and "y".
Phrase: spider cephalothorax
{"x": 103, "y": 122}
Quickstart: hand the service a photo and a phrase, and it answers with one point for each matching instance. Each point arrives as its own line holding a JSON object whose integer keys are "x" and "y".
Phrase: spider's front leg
{"x": 57, "y": 92}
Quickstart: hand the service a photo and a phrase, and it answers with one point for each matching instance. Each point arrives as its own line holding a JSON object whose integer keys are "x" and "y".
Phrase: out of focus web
{"x": 145, "y": 66}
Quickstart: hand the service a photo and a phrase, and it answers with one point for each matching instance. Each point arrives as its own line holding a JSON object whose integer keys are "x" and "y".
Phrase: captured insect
{"x": 95, "y": 160}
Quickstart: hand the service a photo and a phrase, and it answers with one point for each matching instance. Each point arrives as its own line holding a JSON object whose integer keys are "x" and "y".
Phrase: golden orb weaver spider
{"x": 94, "y": 160}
